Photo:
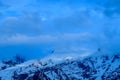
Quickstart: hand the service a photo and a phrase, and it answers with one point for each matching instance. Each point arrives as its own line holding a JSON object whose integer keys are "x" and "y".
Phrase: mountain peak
{"x": 101, "y": 67}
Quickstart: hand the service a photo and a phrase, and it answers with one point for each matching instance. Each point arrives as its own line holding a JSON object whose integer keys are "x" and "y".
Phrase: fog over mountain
{"x": 37, "y": 27}
{"x": 59, "y": 39}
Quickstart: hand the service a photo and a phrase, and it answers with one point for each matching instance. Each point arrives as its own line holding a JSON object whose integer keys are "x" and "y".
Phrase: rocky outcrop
{"x": 105, "y": 67}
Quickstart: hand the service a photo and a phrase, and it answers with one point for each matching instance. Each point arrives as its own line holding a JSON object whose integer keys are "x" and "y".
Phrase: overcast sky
{"x": 34, "y": 28}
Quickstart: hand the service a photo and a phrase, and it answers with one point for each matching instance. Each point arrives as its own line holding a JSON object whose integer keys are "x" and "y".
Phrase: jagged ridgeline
{"x": 103, "y": 67}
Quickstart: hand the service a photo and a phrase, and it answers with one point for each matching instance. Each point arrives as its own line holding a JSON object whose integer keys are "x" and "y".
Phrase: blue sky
{"x": 34, "y": 28}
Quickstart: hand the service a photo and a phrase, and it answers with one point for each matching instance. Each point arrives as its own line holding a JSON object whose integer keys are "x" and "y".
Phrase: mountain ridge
{"x": 103, "y": 67}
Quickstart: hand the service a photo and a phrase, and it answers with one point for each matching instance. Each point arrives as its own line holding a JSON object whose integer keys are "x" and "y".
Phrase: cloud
{"x": 64, "y": 43}
{"x": 29, "y": 25}
{"x": 64, "y": 25}
{"x": 3, "y": 6}
{"x": 33, "y": 23}
{"x": 112, "y": 7}
{"x": 19, "y": 38}
{"x": 24, "y": 39}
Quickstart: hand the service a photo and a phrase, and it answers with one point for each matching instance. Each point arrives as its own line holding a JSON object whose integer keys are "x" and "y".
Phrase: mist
{"x": 35, "y": 28}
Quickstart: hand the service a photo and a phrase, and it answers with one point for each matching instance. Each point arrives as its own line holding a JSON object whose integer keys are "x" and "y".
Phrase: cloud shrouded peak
{"x": 64, "y": 25}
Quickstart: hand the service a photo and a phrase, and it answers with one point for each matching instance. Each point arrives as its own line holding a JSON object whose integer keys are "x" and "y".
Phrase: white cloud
{"x": 69, "y": 27}
{"x": 24, "y": 39}
{"x": 46, "y": 39}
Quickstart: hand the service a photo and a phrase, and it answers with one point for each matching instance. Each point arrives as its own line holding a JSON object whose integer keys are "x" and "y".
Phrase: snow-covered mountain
{"x": 98, "y": 67}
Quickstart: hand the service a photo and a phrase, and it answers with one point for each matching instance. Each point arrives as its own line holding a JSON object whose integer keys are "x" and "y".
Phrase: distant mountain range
{"x": 98, "y": 67}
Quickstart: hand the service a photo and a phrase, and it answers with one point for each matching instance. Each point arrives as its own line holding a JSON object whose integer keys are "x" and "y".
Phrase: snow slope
{"x": 102, "y": 67}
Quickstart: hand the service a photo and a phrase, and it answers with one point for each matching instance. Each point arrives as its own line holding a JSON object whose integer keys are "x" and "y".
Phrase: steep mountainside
{"x": 103, "y": 67}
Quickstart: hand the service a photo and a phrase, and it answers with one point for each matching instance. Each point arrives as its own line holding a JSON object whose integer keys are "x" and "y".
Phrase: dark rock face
{"x": 12, "y": 62}
{"x": 91, "y": 68}
{"x": 20, "y": 77}
{"x": 39, "y": 76}
{"x": 114, "y": 75}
